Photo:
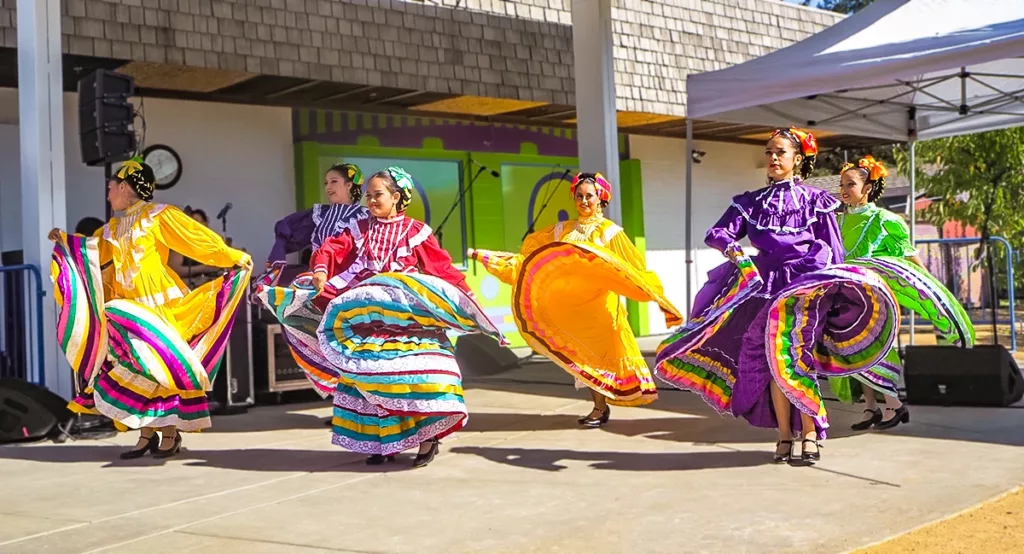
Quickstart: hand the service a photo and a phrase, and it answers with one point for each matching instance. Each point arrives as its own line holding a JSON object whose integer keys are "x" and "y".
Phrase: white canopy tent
{"x": 903, "y": 70}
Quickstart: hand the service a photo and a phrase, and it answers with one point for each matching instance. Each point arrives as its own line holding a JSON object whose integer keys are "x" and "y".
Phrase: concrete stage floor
{"x": 672, "y": 478}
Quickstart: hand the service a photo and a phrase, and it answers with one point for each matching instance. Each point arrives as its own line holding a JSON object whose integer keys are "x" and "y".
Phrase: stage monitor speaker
{"x": 985, "y": 375}
{"x": 481, "y": 355}
{"x": 106, "y": 117}
{"x": 28, "y": 411}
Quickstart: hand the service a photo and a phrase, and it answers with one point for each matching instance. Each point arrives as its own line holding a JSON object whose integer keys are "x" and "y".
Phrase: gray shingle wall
{"x": 520, "y": 49}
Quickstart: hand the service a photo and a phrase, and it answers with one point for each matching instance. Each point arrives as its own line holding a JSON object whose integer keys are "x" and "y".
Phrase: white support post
{"x": 689, "y": 217}
{"x": 41, "y": 125}
{"x": 597, "y": 130}
{"x": 912, "y": 210}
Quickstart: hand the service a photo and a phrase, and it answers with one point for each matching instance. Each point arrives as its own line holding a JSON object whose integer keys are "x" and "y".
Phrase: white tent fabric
{"x": 957, "y": 65}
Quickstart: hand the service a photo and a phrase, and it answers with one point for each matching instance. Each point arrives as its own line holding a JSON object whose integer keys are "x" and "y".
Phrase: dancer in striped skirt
{"x": 146, "y": 346}
{"x": 880, "y": 240}
{"x": 386, "y": 329}
{"x": 293, "y": 304}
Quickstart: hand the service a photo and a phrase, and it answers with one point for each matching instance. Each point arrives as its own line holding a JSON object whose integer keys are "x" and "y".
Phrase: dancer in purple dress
{"x": 763, "y": 328}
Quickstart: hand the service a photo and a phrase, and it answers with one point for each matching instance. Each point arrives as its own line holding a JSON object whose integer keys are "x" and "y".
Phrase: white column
{"x": 597, "y": 133}
{"x": 41, "y": 124}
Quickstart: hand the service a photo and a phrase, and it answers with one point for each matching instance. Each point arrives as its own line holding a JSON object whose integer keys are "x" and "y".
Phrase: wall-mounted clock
{"x": 166, "y": 164}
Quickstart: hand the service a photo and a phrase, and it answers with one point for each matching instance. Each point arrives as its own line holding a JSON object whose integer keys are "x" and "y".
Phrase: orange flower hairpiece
{"x": 876, "y": 169}
{"x": 808, "y": 144}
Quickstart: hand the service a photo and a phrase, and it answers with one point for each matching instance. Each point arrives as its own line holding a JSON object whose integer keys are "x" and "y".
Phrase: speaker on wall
{"x": 106, "y": 117}
{"x": 985, "y": 375}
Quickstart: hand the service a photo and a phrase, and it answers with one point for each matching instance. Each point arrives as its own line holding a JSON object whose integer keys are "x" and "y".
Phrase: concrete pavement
{"x": 674, "y": 478}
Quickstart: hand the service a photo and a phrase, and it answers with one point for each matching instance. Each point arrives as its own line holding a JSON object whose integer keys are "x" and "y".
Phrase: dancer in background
{"x": 566, "y": 286}
{"x": 145, "y": 344}
{"x": 394, "y": 295}
{"x": 763, "y": 329}
{"x": 292, "y": 304}
{"x": 880, "y": 240}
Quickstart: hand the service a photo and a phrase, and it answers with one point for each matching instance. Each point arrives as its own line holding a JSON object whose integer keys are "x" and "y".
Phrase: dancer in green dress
{"x": 880, "y": 240}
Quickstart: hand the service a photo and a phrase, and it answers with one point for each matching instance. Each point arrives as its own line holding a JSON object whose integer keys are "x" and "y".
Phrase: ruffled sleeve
{"x": 292, "y": 234}
{"x": 826, "y": 226}
{"x": 898, "y": 236}
{"x": 505, "y": 265}
{"x": 187, "y": 237}
{"x": 331, "y": 257}
{"x": 433, "y": 260}
{"x": 730, "y": 228}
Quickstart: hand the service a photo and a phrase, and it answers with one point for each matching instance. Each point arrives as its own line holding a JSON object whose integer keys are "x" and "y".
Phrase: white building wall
{"x": 230, "y": 153}
{"x": 726, "y": 170}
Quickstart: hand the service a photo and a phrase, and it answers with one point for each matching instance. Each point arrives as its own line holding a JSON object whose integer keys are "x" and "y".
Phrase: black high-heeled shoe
{"x": 151, "y": 446}
{"x": 593, "y": 422}
{"x": 782, "y": 456}
{"x": 173, "y": 450}
{"x": 810, "y": 456}
{"x": 901, "y": 415}
{"x": 378, "y": 459}
{"x": 876, "y": 416}
{"x": 424, "y": 459}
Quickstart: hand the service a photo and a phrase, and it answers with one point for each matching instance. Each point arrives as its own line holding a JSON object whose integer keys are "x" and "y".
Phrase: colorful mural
{"x": 535, "y": 166}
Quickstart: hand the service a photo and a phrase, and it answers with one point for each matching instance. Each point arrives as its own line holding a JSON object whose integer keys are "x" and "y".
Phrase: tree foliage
{"x": 976, "y": 180}
{"x": 840, "y": 6}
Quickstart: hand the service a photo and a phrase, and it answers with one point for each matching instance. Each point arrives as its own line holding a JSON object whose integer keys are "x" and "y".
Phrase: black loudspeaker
{"x": 233, "y": 386}
{"x": 106, "y": 117}
{"x": 29, "y": 412}
{"x": 480, "y": 355}
{"x": 985, "y": 375}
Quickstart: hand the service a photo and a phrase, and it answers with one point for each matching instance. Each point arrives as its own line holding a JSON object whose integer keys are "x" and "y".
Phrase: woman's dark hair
{"x": 592, "y": 179}
{"x": 392, "y": 185}
{"x": 88, "y": 226}
{"x": 877, "y": 186}
{"x": 355, "y": 190}
{"x": 808, "y": 164}
{"x": 197, "y": 211}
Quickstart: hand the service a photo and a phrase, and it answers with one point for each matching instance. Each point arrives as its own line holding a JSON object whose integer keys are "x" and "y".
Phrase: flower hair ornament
{"x": 876, "y": 171}
{"x": 808, "y": 144}
{"x": 405, "y": 186}
{"x": 604, "y": 188}
{"x": 135, "y": 173}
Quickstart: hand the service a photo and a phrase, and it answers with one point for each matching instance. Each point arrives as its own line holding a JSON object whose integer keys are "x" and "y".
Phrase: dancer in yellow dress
{"x": 146, "y": 346}
{"x": 567, "y": 282}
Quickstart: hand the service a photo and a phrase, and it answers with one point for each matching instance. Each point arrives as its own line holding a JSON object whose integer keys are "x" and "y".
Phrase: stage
{"x": 671, "y": 478}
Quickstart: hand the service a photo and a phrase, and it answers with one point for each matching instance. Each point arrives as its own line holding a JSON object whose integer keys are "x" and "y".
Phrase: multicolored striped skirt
{"x": 916, "y": 290}
{"x": 294, "y": 308}
{"x": 400, "y": 384}
{"x": 137, "y": 368}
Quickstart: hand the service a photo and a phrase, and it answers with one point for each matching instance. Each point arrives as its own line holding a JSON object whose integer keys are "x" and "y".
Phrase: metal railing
{"x": 21, "y": 323}
{"x": 1010, "y": 256}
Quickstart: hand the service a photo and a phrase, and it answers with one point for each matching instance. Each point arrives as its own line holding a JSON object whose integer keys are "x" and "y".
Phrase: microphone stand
{"x": 439, "y": 232}
{"x": 544, "y": 206}
{"x": 533, "y": 222}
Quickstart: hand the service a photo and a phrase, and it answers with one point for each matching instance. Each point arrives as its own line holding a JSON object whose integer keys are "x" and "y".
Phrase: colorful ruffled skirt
{"x": 399, "y": 382}
{"x": 137, "y": 368}
{"x": 916, "y": 290}
{"x": 300, "y": 317}
{"x": 566, "y": 304}
{"x": 835, "y": 321}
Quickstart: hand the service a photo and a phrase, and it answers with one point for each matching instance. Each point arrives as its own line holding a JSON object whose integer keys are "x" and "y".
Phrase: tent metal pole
{"x": 912, "y": 210}
{"x": 688, "y": 217}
